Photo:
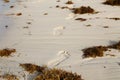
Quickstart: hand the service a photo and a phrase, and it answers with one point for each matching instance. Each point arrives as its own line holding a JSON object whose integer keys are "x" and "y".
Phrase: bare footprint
{"x": 61, "y": 57}
{"x": 57, "y": 31}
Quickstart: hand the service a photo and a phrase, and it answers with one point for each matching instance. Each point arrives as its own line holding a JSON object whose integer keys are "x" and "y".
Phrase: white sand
{"x": 37, "y": 43}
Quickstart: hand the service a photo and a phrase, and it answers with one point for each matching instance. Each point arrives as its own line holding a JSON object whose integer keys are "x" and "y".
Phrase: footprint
{"x": 61, "y": 57}
{"x": 57, "y": 31}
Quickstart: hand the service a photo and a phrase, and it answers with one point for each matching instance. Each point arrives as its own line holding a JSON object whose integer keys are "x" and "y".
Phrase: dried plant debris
{"x": 115, "y": 46}
{"x": 9, "y": 77}
{"x": 57, "y": 6}
{"x": 45, "y": 13}
{"x": 114, "y": 18}
{"x": 88, "y": 25}
{"x": 105, "y": 26}
{"x": 29, "y": 23}
{"x": 110, "y": 55}
{"x": 11, "y": 6}
{"x": 81, "y": 19}
{"x": 19, "y": 14}
{"x": 25, "y": 27}
{"x": 58, "y": 1}
{"x": 6, "y": 1}
{"x": 64, "y": 7}
{"x": 6, "y": 52}
{"x": 98, "y": 51}
{"x": 6, "y": 26}
{"x": 45, "y": 73}
{"x": 112, "y": 2}
{"x": 58, "y": 74}
{"x": 69, "y": 2}
{"x": 31, "y": 68}
{"x": 83, "y": 10}
{"x": 118, "y": 63}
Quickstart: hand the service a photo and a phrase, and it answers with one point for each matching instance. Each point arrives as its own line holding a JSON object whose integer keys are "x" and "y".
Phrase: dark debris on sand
{"x": 112, "y": 2}
{"x": 6, "y": 1}
{"x": 9, "y": 77}
{"x": 115, "y": 46}
{"x": 98, "y": 51}
{"x": 6, "y": 52}
{"x": 81, "y": 19}
{"x": 45, "y": 73}
{"x": 31, "y": 68}
{"x": 69, "y": 2}
{"x": 83, "y": 10}
{"x": 114, "y": 18}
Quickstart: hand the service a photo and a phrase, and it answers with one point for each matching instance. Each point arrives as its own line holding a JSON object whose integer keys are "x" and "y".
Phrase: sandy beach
{"x": 43, "y": 33}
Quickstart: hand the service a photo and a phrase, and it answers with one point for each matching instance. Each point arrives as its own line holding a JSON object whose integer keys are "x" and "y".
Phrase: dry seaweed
{"x": 6, "y": 26}
{"x": 64, "y": 7}
{"x": 31, "y": 68}
{"x": 115, "y": 46}
{"x": 11, "y": 6}
{"x": 58, "y": 1}
{"x": 9, "y": 77}
{"x": 88, "y": 25}
{"x": 69, "y": 2}
{"x": 83, "y": 10}
{"x": 46, "y": 73}
{"x": 45, "y": 13}
{"x": 112, "y": 2}
{"x": 96, "y": 51}
{"x": 19, "y": 14}
{"x": 105, "y": 26}
{"x": 58, "y": 74}
{"x": 6, "y": 1}
{"x": 81, "y": 19}
{"x": 57, "y": 6}
{"x": 6, "y": 52}
{"x": 114, "y": 18}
